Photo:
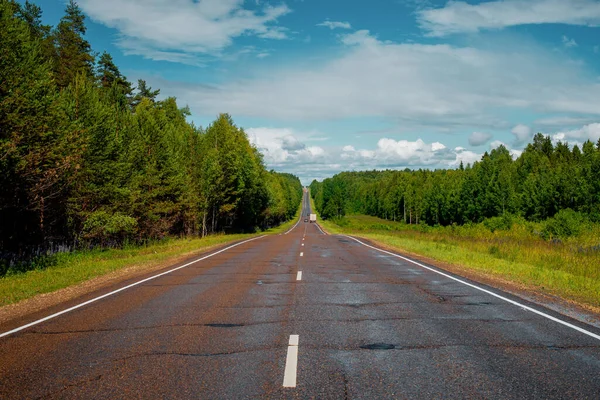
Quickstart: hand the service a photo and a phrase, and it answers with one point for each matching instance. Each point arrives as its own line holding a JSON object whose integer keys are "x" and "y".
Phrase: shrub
{"x": 102, "y": 227}
{"x": 501, "y": 223}
{"x": 564, "y": 224}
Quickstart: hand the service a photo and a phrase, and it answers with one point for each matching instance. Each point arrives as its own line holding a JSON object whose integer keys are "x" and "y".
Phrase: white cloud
{"x": 479, "y": 138}
{"x": 568, "y": 42}
{"x": 359, "y": 38}
{"x": 277, "y": 33}
{"x": 281, "y": 146}
{"x": 522, "y": 134}
{"x": 335, "y": 25}
{"x": 497, "y": 143}
{"x": 462, "y": 17}
{"x": 466, "y": 156}
{"x": 285, "y": 150}
{"x": 444, "y": 86}
{"x": 153, "y": 28}
{"x": 587, "y": 132}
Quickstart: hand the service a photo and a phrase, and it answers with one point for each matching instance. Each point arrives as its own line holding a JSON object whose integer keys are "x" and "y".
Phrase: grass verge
{"x": 518, "y": 257}
{"x": 73, "y": 268}
{"x": 69, "y": 269}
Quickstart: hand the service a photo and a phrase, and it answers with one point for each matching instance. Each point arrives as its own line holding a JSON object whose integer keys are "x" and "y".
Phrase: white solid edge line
{"x": 322, "y": 231}
{"x": 291, "y": 362}
{"x": 121, "y": 289}
{"x": 299, "y": 276}
{"x": 516, "y": 303}
{"x": 292, "y": 228}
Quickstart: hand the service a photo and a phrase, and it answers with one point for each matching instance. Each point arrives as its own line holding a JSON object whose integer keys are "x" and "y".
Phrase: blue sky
{"x": 322, "y": 86}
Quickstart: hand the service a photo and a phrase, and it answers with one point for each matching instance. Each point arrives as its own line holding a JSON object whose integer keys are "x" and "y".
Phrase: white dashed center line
{"x": 301, "y": 254}
{"x": 299, "y": 276}
{"x": 291, "y": 363}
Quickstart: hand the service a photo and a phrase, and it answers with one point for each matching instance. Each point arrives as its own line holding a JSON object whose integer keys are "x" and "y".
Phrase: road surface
{"x": 300, "y": 315}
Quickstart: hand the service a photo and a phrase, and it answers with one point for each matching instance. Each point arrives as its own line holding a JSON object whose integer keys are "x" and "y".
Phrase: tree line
{"x": 85, "y": 157}
{"x": 544, "y": 180}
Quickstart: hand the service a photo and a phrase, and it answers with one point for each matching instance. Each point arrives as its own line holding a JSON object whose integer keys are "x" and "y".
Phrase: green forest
{"x": 89, "y": 159}
{"x": 548, "y": 182}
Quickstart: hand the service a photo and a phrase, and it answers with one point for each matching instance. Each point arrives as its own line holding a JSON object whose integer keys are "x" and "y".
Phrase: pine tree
{"x": 144, "y": 92}
{"x": 73, "y": 53}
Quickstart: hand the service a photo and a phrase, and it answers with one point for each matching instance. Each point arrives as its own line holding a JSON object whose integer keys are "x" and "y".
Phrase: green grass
{"x": 79, "y": 266}
{"x": 569, "y": 268}
{"x": 67, "y": 269}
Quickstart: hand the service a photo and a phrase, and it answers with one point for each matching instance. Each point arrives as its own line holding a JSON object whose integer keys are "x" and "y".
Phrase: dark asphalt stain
{"x": 224, "y": 325}
{"x": 378, "y": 346}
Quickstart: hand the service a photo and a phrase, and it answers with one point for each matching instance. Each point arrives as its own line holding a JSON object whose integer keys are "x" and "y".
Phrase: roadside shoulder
{"x": 584, "y": 313}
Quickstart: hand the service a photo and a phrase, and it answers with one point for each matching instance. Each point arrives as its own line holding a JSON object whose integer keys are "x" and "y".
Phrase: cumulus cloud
{"x": 335, "y": 25}
{"x": 522, "y": 134}
{"x": 465, "y": 156}
{"x": 587, "y": 132}
{"x": 479, "y": 138}
{"x": 169, "y": 29}
{"x": 445, "y": 86}
{"x": 286, "y": 150}
{"x": 282, "y": 147}
{"x": 462, "y": 17}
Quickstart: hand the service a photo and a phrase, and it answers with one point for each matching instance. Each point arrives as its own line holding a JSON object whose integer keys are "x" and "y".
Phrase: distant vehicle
{"x": 305, "y": 219}
{"x": 313, "y": 217}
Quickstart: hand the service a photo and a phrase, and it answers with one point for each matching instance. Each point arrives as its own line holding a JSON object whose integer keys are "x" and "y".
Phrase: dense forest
{"x": 86, "y": 158}
{"x": 545, "y": 180}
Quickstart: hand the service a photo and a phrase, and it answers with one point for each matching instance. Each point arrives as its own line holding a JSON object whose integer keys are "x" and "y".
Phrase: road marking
{"x": 299, "y": 276}
{"x": 516, "y": 303}
{"x": 322, "y": 231}
{"x": 292, "y": 228}
{"x": 291, "y": 363}
{"x": 301, "y": 254}
{"x": 302, "y": 244}
{"x": 39, "y": 321}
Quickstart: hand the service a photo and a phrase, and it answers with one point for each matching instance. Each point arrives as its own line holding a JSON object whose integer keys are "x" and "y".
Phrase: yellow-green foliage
{"x": 569, "y": 268}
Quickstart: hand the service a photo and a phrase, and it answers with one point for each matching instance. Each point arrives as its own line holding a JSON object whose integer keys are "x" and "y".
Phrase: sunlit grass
{"x": 569, "y": 268}
{"x": 73, "y": 268}
{"x": 79, "y": 266}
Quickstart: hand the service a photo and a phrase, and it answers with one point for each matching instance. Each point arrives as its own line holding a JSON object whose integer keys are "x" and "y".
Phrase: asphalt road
{"x": 369, "y": 325}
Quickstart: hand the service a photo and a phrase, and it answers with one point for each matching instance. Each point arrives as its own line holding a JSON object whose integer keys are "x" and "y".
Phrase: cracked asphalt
{"x": 370, "y": 326}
